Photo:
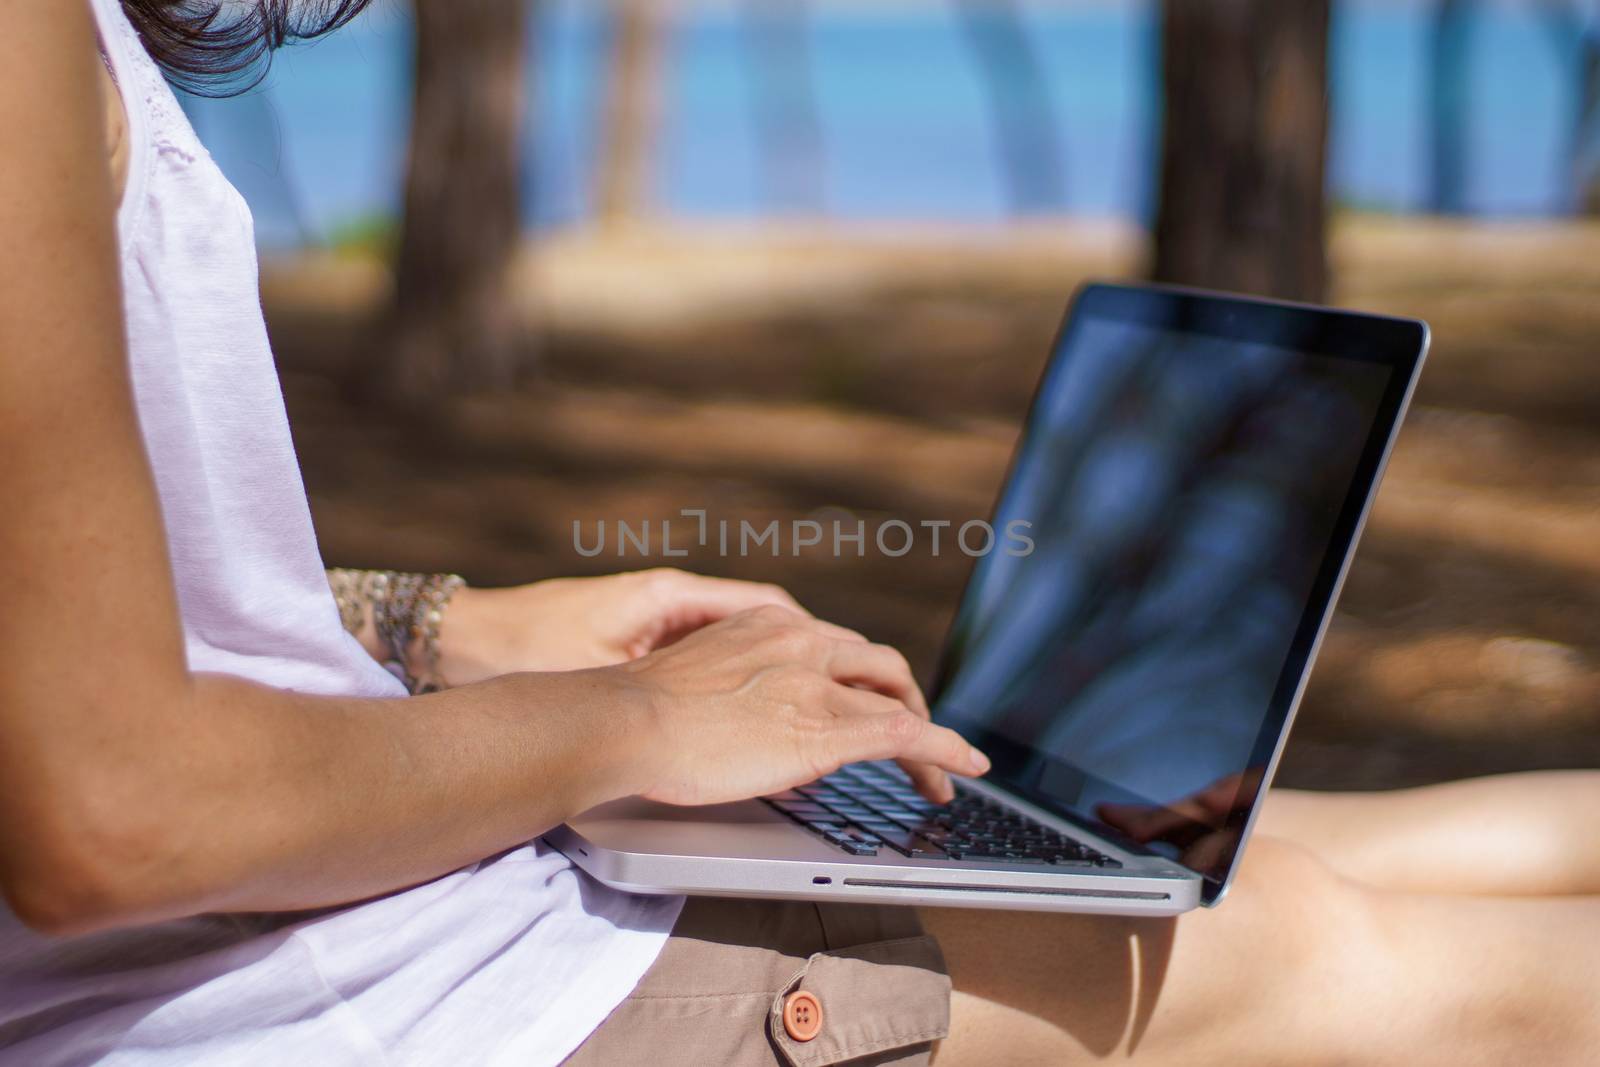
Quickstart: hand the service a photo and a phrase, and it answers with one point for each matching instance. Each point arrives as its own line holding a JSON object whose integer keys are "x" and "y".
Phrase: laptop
{"x": 1192, "y": 478}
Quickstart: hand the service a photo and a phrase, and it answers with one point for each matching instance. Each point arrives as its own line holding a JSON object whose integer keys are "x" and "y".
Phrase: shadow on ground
{"x": 887, "y": 382}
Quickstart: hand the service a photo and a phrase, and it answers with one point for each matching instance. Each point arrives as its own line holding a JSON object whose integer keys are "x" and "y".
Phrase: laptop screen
{"x": 1191, "y": 479}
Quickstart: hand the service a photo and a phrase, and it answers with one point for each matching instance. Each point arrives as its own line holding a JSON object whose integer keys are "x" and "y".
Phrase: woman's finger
{"x": 686, "y": 601}
{"x": 872, "y": 727}
{"x": 885, "y": 670}
{"x": 879, "y": 668}
{"x": 729, "y": 596}
{"x": 682, "y": 603}
{"x": 930, "y": 781}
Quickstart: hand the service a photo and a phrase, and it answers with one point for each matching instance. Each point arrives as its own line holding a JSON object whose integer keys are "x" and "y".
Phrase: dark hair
{"x": 212, "y": 53}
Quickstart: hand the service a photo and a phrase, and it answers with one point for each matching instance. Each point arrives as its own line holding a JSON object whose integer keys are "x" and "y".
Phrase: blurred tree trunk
{"x": 1019, "y": 104}
{"x": 1575, "y": 33}
{"x": 1588, "y": 148}
{"x": 784, "y": 102}
{"x": 1448, "y": 42}
{"x": 454, "y": 326}
{"x": 632, "y": 111}
{"x": 1244, "y": 147}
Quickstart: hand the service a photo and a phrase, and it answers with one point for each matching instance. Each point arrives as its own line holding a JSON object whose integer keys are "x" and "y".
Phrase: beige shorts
{"x": 744, "y": 983}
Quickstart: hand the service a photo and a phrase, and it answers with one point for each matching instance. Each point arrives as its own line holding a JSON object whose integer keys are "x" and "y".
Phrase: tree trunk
{"x": 1244, "y": 147}
{"x": 1448, "y": 104}
{"x": 784, "y": 109}
{"x": 1020, "y": 108}
{"x": 1586, "y": 151}
{"x": 1574, "y": 34}
{"x": 632, "y": 111}
{"x": 454, "y": 324}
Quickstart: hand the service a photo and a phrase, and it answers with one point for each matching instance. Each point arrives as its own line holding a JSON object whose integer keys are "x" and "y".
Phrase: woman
{"x": 216, "y": 796}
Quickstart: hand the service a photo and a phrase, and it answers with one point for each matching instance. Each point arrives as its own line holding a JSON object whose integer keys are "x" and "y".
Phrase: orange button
{"x": 802, "y": 1015}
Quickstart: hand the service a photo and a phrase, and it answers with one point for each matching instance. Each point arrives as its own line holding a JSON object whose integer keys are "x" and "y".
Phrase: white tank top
{"x": 515, "y": 959}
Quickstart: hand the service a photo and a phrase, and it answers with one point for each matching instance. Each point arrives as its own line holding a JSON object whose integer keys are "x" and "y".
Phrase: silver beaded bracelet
{"x": 407, "y": 611}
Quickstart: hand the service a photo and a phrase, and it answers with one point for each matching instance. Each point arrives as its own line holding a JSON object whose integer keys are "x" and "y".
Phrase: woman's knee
{"x": 1264, "y": 975}
{"x": 1292, "y": 955}
{"x": 1272, "y": 864}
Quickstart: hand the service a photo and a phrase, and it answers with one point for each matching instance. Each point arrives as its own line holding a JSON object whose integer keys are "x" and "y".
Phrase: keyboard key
{"x": 865, "y": 808}
{"x": 853, "y": 811}
{"x": 799, "y": 807}
{"x": 910, "y": 844}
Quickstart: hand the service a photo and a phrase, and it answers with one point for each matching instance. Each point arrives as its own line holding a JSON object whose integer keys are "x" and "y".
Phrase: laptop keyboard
{"x": 867, "y": 808}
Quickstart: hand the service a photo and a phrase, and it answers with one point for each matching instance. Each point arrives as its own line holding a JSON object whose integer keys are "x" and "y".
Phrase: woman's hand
{"x": 771, "y": 699}
{"x": 572, "y": 624}
{"x": 580, "y": 623}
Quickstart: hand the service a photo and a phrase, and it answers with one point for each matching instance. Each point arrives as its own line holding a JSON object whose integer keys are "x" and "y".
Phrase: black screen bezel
{"x": 1395, "y": 343}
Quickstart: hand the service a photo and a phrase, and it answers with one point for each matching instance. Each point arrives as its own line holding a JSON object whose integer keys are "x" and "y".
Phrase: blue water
{"x": 905, "y": 126}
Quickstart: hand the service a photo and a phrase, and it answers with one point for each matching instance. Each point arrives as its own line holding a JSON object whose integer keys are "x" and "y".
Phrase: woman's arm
{"x": 131, "y": 790}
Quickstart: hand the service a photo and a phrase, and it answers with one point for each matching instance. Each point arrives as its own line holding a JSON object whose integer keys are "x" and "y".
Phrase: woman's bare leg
{"x": 1511, "y": 834}
{"x": 1300, "y": 966}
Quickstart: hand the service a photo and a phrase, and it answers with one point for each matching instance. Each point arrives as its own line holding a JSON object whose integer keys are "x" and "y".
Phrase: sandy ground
{"x": 799, "y": 373}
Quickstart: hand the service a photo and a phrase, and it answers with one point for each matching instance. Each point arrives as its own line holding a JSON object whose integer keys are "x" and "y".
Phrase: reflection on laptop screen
{"x": 1183, "y": 490}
